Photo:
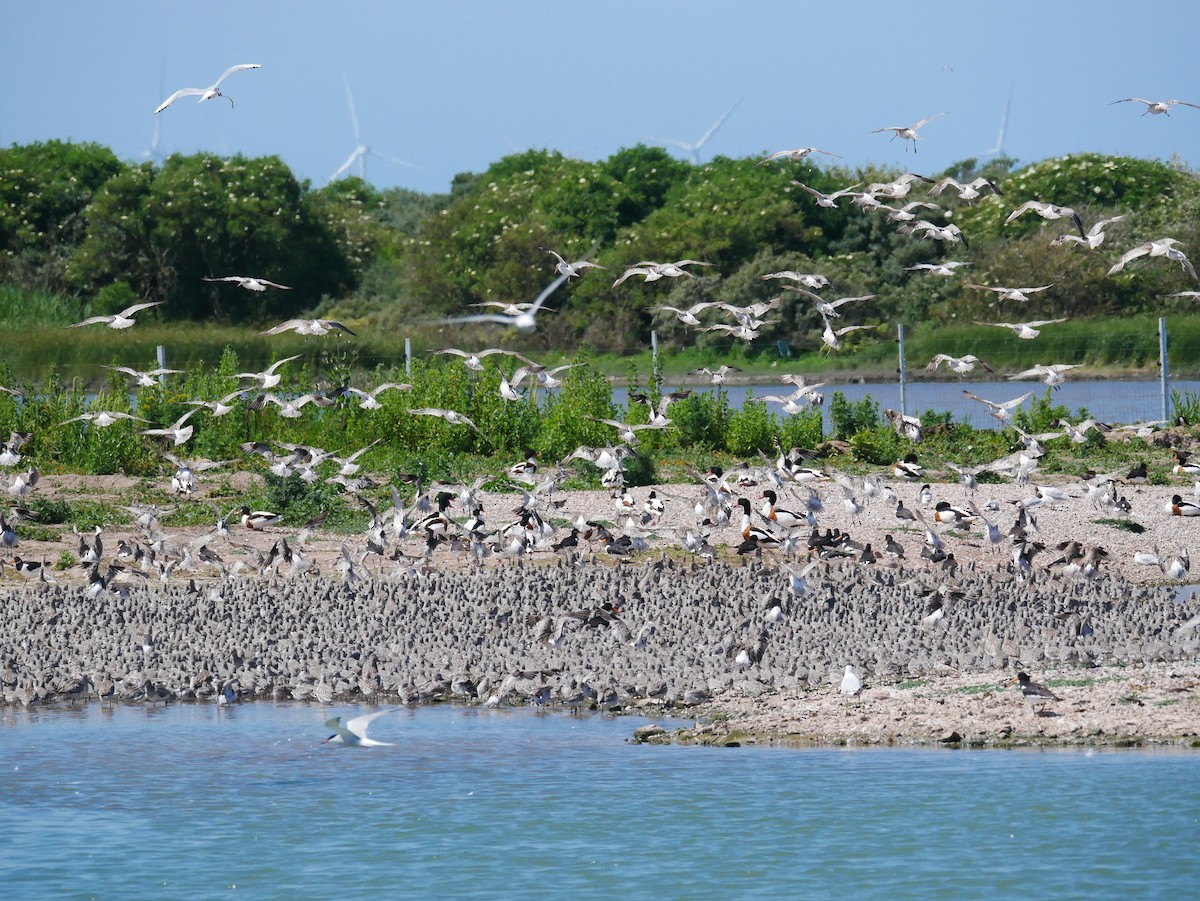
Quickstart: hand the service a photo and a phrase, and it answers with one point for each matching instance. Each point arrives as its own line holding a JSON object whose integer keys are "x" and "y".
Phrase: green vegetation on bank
{"x": 705, "y": 431}
{"x": 83, "y": 233}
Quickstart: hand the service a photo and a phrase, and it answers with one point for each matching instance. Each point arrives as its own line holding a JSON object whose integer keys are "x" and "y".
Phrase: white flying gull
{"x": 1020, "y": 295}
{"x": 1026, "y": 330}
{"x": 1156, "y": 107}
{"x": 525, "y": 321}
{"x": 907, "y": 133}
{"x": 269, "y": 377}
{"x": 248, "y": 282}
{"x": 794, "y": 155}
{"x": 316, "y": 327}
{"x": 944, "y": 270}
{"x": 1163, "y": 247}
{"x": 962, "y": 365}
{"x": 570, "y": 270}
{"x": 1051, "y": 375}
{"x": 1094, "y": 238}
{"x": 829, "y": 201}
{"x": 1047, "y": 211}
{"x": 971, "y": 190}
{"x": 144, "y": 379}
{"x": 124, "y": 319}
{"x": 213, "y": 90}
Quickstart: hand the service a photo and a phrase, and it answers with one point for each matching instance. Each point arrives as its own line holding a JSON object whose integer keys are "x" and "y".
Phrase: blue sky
{"x": 453, "y": 87}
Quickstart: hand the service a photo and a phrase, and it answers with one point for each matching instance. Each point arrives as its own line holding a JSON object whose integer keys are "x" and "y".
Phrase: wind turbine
{"x": 998, "y": 150}
{"x": 152, "y": 153}
{"x": 361, "y": 151}
{"x": 693, "y": 150}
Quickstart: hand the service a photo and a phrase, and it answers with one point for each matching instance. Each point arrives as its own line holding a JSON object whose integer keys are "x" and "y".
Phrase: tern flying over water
{"x": 353, "y": 732}
{"x": 213, "y": 90}
{"x": 1051, "y": 375}
{"x": 1001, "y": 411}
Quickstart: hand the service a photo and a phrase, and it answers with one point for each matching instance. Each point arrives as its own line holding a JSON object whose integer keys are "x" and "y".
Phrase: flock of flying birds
{"x": 788, "y": 533}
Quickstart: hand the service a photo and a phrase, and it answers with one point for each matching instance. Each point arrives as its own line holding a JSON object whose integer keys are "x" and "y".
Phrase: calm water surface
{"x": 195, "y": 801}
{"x": 1107, "y": 400}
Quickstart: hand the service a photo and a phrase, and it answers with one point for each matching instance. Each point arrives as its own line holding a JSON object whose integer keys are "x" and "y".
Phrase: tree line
{"x": 77, "y": 221}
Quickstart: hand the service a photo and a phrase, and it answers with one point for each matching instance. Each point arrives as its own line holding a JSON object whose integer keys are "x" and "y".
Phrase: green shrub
{"x": 750, "y": 430}
{"x": 848, "y": 419}
{"x": 1043, "y": 413}
{"x": 880, "y": 445}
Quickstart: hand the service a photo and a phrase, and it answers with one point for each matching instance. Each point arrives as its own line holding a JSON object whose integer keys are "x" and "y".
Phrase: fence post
{"x": 653, "y": 350}
{"x": 1164, "y": 377}
{"x": 162, "y": 362}
{"x": 407, "y": 356}
{"x": 903, "y": 371}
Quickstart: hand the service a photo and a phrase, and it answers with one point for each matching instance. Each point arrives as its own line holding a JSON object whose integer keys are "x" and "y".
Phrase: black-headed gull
{"x": 248, "y": 282}
{"x": 1048, "y": 211}
{"x": 1163, "y": 247}
{"x": 1020, "y": 295}
{"x": 124, "y": 319}
{"x": 307, "y": 327}
{"x": 1026, "y": 330}
{"x": 208, "y": 93}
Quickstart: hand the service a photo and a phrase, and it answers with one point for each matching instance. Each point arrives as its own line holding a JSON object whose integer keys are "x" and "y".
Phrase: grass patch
{"x": 1125, "y": 525}
{"x": 1079, "y": 683}
{"x": 80, "y": 513}
{"x": 31, "y": 532}
{"x": 912, "y": 683}
{"x": 975, "y": 689}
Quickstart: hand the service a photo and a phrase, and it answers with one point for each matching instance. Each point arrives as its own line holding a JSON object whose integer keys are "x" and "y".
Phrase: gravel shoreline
{"x": 678, "y": 635}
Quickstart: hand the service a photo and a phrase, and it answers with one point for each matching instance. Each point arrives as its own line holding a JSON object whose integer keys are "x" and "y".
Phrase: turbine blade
{"x": 713, "y": 129}
{"x": 391, "y": 159}
{"x": 353, "y": 114}
{"x": 342, "y": 169}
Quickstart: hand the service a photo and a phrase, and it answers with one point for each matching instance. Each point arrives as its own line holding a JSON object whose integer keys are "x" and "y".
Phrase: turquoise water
{"x": 195, "y": 801}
